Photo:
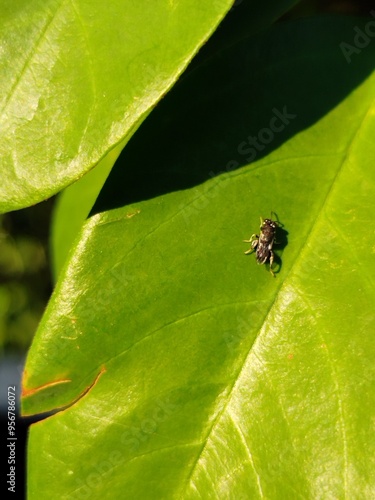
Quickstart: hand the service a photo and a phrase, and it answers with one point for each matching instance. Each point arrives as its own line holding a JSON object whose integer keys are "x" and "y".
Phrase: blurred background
{"x": 25, "y": 270}
{"x": 25, "y": 278}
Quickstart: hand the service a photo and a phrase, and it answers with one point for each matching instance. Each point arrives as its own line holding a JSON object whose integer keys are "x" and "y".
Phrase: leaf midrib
{"x": 310, "y": 235}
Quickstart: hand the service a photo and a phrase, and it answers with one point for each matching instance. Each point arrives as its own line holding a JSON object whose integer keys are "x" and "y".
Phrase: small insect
{"x": 264, "y": 242}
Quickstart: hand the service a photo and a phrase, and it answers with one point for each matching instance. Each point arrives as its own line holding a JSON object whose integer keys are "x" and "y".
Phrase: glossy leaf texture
{"x": 78, "y": 77}
{"x": 181, "y": 367}
{"x": 75, "y": 203}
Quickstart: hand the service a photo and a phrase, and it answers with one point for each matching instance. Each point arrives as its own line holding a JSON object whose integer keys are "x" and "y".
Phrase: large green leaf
{"x": 78, "y": 77}
{"x": 75, "y": 202}
{"x": 186, "y": 370}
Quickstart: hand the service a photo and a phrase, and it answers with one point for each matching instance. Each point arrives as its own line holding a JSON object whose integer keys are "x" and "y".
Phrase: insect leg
{"x": 271, "y": 262}
{"x": 253, "y": 237}
{"x": 254, "y": 240}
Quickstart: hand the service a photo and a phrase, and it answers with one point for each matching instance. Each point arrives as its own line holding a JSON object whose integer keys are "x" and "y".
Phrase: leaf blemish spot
{"x": 131, "y": 214}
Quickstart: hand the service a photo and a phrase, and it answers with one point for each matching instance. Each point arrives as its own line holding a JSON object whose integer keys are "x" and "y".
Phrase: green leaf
{"x": 74, "y": 204}
{"x": 185, "y": 369}
{"x": 77, "y": 78}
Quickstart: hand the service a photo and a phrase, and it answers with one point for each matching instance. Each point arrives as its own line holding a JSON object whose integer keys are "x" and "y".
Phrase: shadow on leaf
{"x": 235, "y": 107}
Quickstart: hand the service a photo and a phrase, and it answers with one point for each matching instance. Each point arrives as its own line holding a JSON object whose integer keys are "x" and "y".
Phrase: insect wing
{"x": 262, "y": 254}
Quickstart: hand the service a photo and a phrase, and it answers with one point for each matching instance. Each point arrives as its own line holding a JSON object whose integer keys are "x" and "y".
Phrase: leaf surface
{"x": 188, "y": 368}
{"x": 244, "y": 19}
{"x": 74, "y": 205}
{"x": 78, "y": 77}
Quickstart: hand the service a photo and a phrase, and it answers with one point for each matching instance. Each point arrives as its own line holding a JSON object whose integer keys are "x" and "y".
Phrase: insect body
{"x": 264, "y": 242}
